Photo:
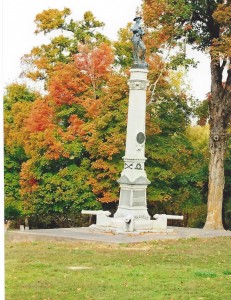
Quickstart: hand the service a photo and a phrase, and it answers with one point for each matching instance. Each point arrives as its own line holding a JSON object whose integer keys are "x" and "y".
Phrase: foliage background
{"x": 63, "y": 149}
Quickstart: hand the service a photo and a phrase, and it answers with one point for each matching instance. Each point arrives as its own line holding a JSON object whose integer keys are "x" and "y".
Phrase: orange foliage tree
{"x": 66, "y": 36}
{"x": 56, "y": 131}
{"x": 95, "y": 63}
{"x": 105, "y": 139}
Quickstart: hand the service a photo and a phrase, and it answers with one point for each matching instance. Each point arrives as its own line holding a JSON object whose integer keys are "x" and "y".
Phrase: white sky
{"x": 19, "y": 38}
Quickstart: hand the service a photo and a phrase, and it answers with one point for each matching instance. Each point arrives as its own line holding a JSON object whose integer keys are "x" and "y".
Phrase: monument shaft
{"x": 136, "y": 114}
{"x": 133, "y": 180}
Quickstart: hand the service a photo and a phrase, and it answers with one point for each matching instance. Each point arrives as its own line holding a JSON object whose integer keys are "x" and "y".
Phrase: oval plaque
{"x": 140, "y": 137}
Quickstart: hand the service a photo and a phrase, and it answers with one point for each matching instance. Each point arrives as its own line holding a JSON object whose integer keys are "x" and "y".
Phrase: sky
{"x": 18, "y": 32}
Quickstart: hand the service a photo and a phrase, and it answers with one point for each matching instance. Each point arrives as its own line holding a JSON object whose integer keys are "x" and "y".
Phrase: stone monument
{"x": 132, "y": 214}
{"x": 133, "y": 181}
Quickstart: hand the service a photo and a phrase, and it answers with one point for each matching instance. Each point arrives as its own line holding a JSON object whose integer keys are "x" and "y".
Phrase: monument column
{"x": 133, "y": 180}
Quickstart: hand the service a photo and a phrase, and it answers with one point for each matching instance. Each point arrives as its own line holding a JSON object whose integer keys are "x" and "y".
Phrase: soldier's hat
{"x": 138, "y": 17}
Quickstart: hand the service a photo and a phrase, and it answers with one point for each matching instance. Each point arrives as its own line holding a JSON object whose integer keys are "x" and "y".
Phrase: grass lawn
{"x": 174, "y": 269}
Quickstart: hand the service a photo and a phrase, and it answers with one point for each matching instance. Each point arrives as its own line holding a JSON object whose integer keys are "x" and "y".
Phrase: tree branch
{"x": 228, "y": 80}
{"x": 153, "y": 86}
{"x": 223, "y": 64}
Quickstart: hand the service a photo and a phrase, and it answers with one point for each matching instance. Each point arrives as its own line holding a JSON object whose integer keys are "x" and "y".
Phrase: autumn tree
{"x": 66, "y": 35}
{"x": 95, "y": 62}
{"x": 105, "y": 139}
{"x": 54, "y": 178}
{"x": 205, "y": 25}
{"x": 17, "y": 102}
{"x": 54, "y": 174}
{"x": 123, "y": 48}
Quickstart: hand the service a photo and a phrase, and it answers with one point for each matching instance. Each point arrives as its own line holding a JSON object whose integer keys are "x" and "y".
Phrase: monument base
{"x": 113, "y": 230}
{"x": 137, "y": 221}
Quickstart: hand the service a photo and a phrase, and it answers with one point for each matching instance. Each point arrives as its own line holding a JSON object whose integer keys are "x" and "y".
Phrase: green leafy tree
{"x": 17, "y": 101}
{"x": 123, "y": 48}
{"x": 175, "y": 168}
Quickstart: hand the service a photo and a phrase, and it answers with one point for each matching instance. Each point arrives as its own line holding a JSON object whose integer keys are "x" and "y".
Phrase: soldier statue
{"x": 138, "y": 44}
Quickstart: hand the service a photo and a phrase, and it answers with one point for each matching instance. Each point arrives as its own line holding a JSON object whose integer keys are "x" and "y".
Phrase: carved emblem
{"x": 128, "y": 166}
{"x": 138, "y": 167}
{"x": 140, "y": 138}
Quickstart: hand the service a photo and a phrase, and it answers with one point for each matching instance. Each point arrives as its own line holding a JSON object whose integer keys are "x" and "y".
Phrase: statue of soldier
{"x": 138, "y": 44}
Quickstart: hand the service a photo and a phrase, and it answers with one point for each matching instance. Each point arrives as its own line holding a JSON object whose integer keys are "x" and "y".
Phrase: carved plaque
{"x": 139, "y": 198}
{"x": 125, "y": 197}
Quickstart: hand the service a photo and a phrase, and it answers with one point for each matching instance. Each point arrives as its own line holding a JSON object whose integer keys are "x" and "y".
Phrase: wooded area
{"x": 64, "y": 148}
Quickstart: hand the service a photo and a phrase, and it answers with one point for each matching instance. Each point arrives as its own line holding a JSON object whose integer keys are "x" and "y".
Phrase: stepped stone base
{"x": 130, "y": 219}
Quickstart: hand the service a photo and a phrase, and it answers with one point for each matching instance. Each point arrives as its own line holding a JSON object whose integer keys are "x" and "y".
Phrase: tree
{"x": 206, "y": 25}
{"x": 95, "y": 63}
{"x": 123, "y": 48}
{"x": 175, "y": 167}
{"x": 54, "y": 172}
{"x": 17, "y": 103}
{"x": 105, "y": 139}
{"x": 54, "y": 178}
{"x": 66, "y": 37}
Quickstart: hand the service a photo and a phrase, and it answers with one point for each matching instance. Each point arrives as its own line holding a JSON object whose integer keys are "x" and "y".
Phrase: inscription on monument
{"x": 125, "y": 197}
{"x": 139, "y": 198}
{"x": 137, "y": 85}
{"x": 141, "y": 217}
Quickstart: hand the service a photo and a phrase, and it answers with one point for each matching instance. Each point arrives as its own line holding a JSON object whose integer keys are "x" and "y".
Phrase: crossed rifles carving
{"x": 129, "y": 166}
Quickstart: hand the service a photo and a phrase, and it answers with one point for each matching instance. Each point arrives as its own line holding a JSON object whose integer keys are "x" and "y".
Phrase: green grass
{"x": 179, "y": 269}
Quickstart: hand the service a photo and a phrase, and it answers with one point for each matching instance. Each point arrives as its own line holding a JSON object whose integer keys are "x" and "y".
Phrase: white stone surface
{"x": 136, "y": 114}
{"x": 102, "y": 217}
{"x": 131, "y": 222}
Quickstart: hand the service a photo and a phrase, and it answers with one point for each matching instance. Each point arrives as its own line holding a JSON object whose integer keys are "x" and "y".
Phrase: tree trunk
{"x": 219, "y": 116}
{"x": 216, "y": 187}
{"x": 26, "y": 222}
